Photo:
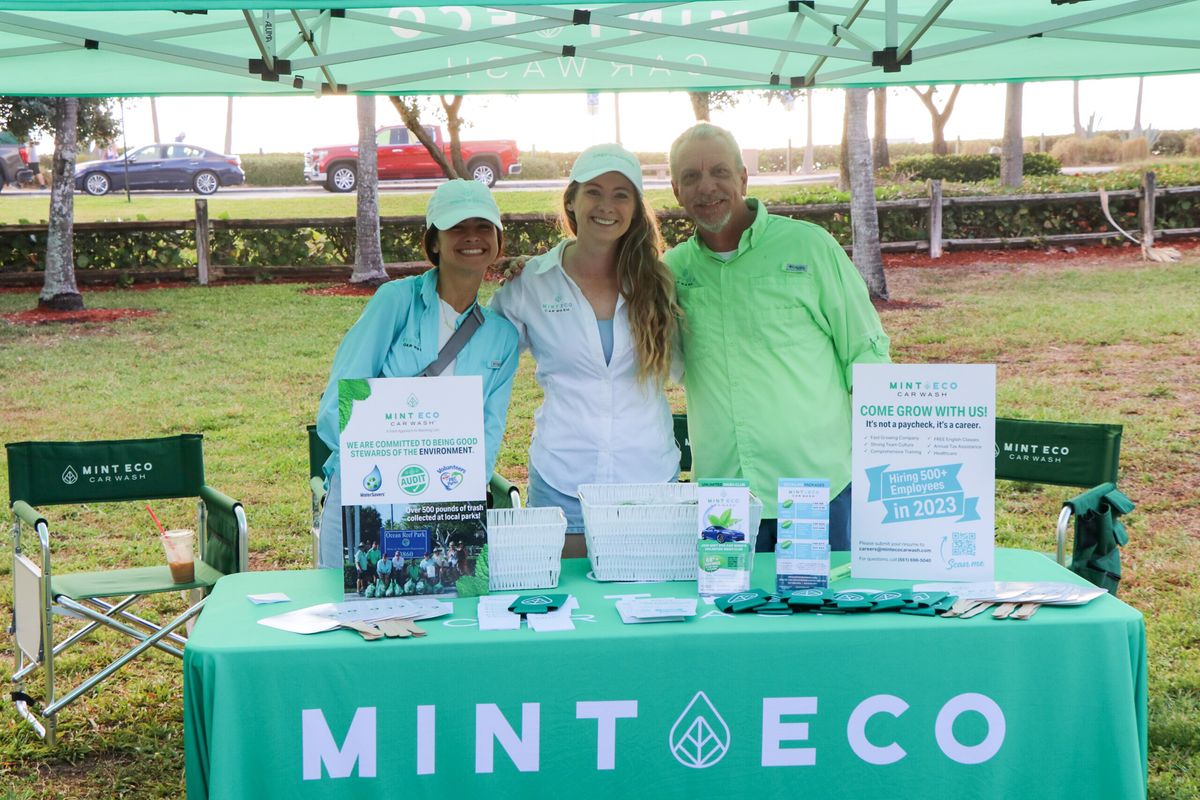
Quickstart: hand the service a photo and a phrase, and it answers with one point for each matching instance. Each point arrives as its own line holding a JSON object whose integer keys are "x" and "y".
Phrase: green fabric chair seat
{"x": 121, "y": 582}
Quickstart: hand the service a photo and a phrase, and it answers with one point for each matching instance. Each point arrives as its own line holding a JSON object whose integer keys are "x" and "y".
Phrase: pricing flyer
{"x": 802, "y": 534}
{"x": 924, "y": 472}
{"x": 413, "y": 486}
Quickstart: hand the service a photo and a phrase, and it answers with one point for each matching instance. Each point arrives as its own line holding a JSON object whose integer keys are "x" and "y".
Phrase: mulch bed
{"x": 39, "y": 316}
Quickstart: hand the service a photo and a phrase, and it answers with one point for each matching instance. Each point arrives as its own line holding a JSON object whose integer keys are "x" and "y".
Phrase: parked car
{"x": 162, "y": 166}
{"x": 401, "y": 156}
{"x": 14, "y": 163}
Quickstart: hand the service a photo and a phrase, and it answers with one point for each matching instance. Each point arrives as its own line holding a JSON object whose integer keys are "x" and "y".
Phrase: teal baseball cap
{"x": 456, "y": 200}
{"x": 602, "y": 158}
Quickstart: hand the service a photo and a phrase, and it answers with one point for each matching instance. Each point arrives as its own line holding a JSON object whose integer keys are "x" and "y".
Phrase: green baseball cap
{"x": 456, "y": 200}
{"x": 602, "y": 158}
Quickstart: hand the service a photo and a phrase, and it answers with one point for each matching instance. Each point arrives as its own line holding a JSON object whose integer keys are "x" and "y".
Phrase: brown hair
{"x": 646, "y": 284}
{"x": 429, "y": 238}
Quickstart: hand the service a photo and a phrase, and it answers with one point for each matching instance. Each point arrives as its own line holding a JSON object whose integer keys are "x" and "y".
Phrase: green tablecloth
{"x": 799, "y": 706}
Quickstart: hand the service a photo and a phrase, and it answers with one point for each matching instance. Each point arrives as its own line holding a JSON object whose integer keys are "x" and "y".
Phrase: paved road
{"x": 402, "y": 187}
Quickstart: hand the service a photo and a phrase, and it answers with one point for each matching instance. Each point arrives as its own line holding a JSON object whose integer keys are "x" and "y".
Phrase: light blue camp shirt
{"x": 397, "y": 337}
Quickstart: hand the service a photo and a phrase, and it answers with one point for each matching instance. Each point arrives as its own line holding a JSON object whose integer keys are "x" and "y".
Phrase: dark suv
{"x": 13, "y": 168}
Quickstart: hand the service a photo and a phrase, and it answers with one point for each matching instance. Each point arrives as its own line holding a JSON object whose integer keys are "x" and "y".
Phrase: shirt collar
{"x": 552, "y": 259}
{"x": 750, "y": 236}
{"x": 429, "y": 295}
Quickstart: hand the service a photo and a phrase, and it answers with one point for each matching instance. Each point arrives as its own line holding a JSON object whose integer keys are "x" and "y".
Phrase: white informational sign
{"x": 414, "y": 486}
{"x": 802, "y": 538}
{"x": 924, "y": 472}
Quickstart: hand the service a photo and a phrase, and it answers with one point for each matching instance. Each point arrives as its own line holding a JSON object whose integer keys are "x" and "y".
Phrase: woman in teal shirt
{"x": 407, "y": 322}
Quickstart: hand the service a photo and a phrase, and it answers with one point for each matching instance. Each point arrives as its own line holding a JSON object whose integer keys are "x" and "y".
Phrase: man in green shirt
{"x": 775, "y": 317}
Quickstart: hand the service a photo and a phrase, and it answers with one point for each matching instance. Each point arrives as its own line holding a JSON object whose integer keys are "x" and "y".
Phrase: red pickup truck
{"x": 401, "y": 155}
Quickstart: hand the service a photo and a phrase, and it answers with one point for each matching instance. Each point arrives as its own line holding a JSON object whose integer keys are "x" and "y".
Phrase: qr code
{"x": 964, "y": 544}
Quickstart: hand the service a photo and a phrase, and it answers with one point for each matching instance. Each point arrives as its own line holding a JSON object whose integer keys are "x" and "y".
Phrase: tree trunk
{"x": 453, "y": 127}
{"x": 699, "y": 105}
{"x": 938, "y": 118}
{"x": 368, "y": 251}
{"x": 229, "y": 126}
{"x": 154, "y": 119}
{"x": 844, "y": 149}
{"x": 808, "y": 140}
{"x": 1075, "y": 105}
{"x": 1137, "y": 115}
{"x": 59, "y": 291}
{"x": 864, "y": 218}
{"x": 411, "y": 115}
{"x": 879, "y": 146}
{"x": 1012, "y": 150}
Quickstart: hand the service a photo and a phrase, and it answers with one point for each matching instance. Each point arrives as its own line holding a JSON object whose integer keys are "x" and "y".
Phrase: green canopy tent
{"x": 152, "y": 47}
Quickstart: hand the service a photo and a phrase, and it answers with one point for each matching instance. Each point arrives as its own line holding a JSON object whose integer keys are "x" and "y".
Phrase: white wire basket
{"x": 525, "y": 547}
{"x": 646, "y": 531}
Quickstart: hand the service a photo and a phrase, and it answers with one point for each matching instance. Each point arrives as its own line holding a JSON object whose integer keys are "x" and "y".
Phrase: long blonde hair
{"x": 646, "y": 284}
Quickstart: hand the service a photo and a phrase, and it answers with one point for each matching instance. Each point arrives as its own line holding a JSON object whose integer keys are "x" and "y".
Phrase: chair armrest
{"x": 28, "y": 514}
{"x": 218, "y": 501}
{"x": 505, "y": 494}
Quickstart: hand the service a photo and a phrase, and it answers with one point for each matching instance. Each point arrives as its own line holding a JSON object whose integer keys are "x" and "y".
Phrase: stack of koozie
{"x": 829, "y": 601}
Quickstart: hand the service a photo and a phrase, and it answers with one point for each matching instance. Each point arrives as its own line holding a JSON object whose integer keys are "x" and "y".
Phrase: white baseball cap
{"x": 456, "y": 200}
{"x": 602, "y": 158}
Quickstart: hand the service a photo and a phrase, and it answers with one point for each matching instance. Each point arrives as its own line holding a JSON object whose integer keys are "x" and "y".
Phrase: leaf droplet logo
{"x": 70, "y": 476}
{"x": 413, "y": 402}
{"x": 700, "y": 737}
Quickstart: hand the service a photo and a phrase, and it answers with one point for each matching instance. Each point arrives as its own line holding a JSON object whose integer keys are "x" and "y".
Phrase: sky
{"x": 649, "y": 121}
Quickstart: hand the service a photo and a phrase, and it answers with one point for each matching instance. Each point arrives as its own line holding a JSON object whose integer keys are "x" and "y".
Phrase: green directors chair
{"x": 84, "y": 475}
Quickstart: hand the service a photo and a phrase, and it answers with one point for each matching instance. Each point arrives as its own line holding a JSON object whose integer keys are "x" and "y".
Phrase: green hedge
{"x": 274, "y": 169}
{"x": 334, "y": 244}
{"x": 969, "y": 169}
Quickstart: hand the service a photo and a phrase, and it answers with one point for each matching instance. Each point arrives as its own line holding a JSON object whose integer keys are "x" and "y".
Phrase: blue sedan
{"x": 162, "y": 166}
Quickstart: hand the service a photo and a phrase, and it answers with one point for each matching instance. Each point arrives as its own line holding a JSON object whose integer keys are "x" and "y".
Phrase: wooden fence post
{"x": 1146, "y": 211}
{"x": 935, "y": 218}
{"x": 202, "y": 246}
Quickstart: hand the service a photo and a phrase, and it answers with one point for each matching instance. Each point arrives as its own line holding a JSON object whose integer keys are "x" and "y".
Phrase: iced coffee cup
{"x": 178, "y": 545}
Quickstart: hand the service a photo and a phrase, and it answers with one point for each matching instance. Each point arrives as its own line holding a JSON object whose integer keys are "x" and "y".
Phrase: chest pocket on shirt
{"x": 782, "y": 311}
{"x": 702, "y": 317}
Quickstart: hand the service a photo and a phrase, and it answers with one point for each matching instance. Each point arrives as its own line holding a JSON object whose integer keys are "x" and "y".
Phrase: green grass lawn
{"x": 16, "y": 208}
{"x": 1114, "y": 342}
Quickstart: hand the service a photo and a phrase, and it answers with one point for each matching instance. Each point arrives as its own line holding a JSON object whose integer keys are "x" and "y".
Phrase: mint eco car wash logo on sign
{"x": 107, "y": 473}
{"x": 413, "y": 479}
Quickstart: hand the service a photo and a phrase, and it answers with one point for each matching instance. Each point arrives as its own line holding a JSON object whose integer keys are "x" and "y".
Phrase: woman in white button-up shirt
{"x": 599, "y": 314}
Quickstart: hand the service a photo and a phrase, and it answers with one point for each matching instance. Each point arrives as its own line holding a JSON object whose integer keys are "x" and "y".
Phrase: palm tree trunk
{"x": 879, "y": 145}
{"x": 228, "y": 126}
{"x": 1137, "y": 116}
{"x": 808, "y": 140}
{"x": 864, "y": 217}
{"x": 368, "y": 251}
{"x": 59, "y": 291}
{"x": 1075, "y": 107}
{"x": 1012, "y": 150}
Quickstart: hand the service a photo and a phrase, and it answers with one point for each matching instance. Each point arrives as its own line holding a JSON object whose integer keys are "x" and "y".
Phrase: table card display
{"x": 413, "y": 486}
{"x": 723, "y": 546}
{"x": 802, "y": 534}
{"x": 924, "y": 471}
